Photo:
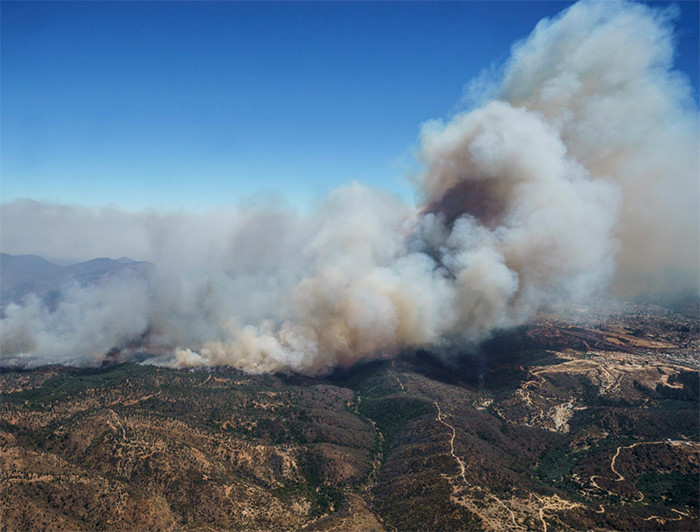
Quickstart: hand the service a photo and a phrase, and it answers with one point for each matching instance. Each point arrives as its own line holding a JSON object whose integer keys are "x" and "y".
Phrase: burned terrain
{"x": 581, "y": 420}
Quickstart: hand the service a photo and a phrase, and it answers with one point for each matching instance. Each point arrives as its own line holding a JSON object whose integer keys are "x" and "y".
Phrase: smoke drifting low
{"x": 580, "y": 170}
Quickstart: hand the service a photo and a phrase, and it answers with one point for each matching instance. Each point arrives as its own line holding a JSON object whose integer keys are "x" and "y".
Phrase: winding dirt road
{"x": 403, "y": 388}
{"x": 462, "y": 468}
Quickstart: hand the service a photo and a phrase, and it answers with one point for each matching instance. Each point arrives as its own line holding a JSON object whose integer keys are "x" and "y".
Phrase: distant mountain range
{"x": 21, "y": 275}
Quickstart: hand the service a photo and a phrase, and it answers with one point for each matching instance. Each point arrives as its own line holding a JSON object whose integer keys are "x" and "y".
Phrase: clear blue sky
{"x": 195, "y": 104}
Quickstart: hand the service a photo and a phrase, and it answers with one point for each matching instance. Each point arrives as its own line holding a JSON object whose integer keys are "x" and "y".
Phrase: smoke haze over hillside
{"x": 578, "y": 171}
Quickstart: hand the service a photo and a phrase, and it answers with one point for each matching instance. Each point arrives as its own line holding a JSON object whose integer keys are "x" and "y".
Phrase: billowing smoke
{"x": 579, "y": 170}
{"x": 602, "y": 76}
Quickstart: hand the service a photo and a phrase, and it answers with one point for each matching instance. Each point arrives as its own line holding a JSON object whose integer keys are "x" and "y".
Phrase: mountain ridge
{"x": 22, "y": 275}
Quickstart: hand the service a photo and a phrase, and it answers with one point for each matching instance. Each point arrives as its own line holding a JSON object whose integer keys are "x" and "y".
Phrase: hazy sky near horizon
{"x": 199, "y": 104}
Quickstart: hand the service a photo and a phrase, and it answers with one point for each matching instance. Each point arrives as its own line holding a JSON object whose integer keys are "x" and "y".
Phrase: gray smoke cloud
{"x": 579, "y": 170}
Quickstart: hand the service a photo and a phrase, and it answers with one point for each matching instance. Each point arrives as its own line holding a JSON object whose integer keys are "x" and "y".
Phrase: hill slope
{"x": 528, "y": 434}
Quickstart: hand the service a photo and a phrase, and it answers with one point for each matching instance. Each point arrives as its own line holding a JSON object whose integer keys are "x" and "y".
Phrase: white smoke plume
{"x": 581, "y": 168}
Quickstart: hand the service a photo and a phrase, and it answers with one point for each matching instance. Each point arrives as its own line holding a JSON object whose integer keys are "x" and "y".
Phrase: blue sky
{"x": 195, "y": 104}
